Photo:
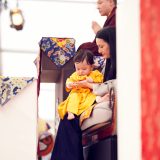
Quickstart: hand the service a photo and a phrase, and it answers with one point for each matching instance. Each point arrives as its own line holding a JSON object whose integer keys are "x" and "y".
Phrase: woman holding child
{"x": 68, "y": 144}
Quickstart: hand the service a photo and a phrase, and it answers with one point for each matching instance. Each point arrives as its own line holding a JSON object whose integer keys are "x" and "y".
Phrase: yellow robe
{"x": 79, "y": 99}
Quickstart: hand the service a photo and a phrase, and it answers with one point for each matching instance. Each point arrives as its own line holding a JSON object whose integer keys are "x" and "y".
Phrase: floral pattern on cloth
{"x": 11, "y": 86}
{"x": 59, "y": 50}
{"x": 99, "y": 61}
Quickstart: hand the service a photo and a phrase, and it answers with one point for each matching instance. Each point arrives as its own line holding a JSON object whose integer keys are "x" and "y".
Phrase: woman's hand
{"x": 104, "y": 98}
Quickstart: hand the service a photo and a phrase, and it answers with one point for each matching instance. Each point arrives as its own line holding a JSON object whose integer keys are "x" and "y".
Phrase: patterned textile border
{"x": 99, "y": 61}
{"x": 59, "y": 50}
{"x": 11, "y": 86}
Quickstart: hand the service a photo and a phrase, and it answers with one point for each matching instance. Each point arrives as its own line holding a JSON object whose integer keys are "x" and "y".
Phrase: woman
{"x": 106, "y": 42}
{"x": 68, "y": 144}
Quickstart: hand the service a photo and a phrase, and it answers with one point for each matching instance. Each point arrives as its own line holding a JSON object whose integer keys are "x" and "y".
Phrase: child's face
{"x": 82, "y": 68}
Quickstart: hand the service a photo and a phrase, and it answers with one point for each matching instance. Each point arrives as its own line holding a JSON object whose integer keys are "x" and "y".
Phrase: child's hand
{"x": 89, "y": 79}
{"x": 81, "y": 84}
{"x": 73, "y": 85}
{"x": 69, "y": 85}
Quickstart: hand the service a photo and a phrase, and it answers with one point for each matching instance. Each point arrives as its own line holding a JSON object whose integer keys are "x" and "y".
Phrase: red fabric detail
{"x": 150, "y": 79}
{"x": 48, "y": 144}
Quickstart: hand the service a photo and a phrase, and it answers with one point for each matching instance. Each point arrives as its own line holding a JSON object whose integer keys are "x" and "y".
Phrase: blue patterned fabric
{"x": 99, "y": 61}
{"x": 11, "y": 86}
{"x": 59, "y": 50}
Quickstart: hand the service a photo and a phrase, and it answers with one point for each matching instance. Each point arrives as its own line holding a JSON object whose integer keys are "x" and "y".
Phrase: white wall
{"x": 49, "y": 18}
{"x": 128, "y": 66}
{"x": 18, "y": 126}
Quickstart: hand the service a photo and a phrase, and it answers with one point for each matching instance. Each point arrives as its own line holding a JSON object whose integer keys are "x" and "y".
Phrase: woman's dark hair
{"x": 108, "y": 34}
{"x": 83, "y": 54}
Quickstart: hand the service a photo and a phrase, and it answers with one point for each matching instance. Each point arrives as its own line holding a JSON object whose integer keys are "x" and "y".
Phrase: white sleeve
{"x": 100, "y": 89}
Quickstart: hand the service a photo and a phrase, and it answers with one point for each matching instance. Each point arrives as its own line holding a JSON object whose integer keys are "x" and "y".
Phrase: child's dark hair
{"x": 84, "y": 54}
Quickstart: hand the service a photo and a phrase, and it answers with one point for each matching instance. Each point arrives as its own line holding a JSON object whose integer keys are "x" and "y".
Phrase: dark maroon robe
{"x": 110, "y": 21}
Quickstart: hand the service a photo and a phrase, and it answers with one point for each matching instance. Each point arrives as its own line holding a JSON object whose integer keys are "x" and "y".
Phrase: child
{"x": 80, "y": 98}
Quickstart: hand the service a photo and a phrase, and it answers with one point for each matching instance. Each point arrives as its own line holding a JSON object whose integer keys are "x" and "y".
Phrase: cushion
{"x": 101, "y": 113}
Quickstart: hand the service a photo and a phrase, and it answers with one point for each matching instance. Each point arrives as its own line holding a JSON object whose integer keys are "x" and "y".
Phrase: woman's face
{"x": 103, "y": 48}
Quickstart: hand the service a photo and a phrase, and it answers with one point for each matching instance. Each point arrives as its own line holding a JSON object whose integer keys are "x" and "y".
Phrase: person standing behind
{"x": 106, "y": 8}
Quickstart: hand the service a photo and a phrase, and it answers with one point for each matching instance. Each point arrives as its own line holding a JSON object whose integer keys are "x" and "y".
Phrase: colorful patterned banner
{"x": 59, "y": 50}
{"x": 11, "y": 86}
{"x": 150, "y": 80}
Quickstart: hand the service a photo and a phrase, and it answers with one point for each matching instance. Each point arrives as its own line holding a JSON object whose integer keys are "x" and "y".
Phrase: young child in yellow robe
{"x": 79, "y": 98}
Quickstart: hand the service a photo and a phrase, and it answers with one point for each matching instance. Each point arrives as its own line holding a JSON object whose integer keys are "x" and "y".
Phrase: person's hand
{"x": 69, "y": 85}
{"x": 76, "y": 85}
{"x": 83, "y": 84}
{"x": 104, "y": 98}
{"x": 96, "y": 27}
{"x": 89, "y": 79}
